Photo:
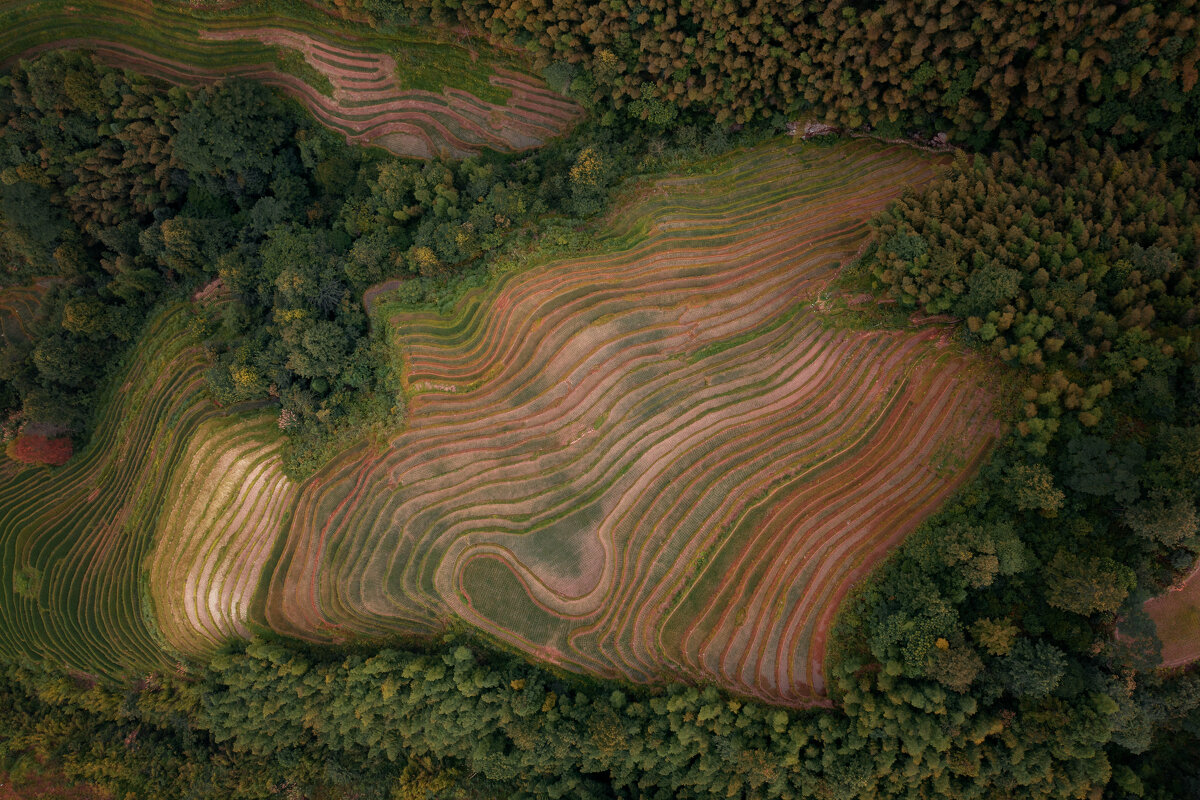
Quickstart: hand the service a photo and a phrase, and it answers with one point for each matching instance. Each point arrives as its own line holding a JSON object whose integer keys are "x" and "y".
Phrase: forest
{"x": 1001, "y": 651}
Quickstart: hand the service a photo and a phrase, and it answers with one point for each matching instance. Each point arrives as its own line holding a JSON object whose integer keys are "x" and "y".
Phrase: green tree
{"x": 1034, "y": 668}
{"x": 996, "y": 636}
{"x": 1087, "y": 584}
{"x": 228, "y": 140}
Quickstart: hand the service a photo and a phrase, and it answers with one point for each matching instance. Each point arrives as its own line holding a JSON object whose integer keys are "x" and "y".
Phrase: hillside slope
{"x": 659, "y": 460}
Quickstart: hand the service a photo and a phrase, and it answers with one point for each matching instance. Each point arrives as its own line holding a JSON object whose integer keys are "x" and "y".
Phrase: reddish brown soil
{"x": 208, "y": 291}
{"x": 33, "y": 449}
{"x": 52, "y": 786}
{"x": 1176, "y": 614}
{"x": 371, "y": 294}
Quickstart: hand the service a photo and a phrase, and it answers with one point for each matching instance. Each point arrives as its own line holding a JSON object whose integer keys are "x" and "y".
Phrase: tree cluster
{"x": 981, "y": 71}
{"x": 145, "y": 743}
{"x": 1023, "y": 597}
{"x": 86, "y": 167}
{"x": 1077, "y": 264}
{"x": 456, "y": 721}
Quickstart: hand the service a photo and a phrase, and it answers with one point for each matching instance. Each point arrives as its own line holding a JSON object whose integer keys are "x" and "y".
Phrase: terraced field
{"x": 660, "y": 460}
{"x": 217, "y": 525}
{"x": 73, "y": 541}
{"x": 397, "y": 89}
{"x": 663, "y": 459}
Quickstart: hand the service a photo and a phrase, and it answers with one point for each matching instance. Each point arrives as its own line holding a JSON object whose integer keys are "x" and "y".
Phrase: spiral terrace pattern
{"x": 367, "y": 104}
{"x": 658, "y": 460}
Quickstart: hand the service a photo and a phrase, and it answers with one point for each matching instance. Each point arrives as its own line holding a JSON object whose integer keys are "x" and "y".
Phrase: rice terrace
{"x": 655, "y": 400}
{"x": 662, "y": 459}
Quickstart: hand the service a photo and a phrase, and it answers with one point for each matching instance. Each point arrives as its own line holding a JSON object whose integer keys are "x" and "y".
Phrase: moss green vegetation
{"x": 293, "y": 63}
{"x": 430, "y": 66}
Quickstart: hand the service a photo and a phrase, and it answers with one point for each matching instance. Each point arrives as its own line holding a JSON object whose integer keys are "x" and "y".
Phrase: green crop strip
{"x": 736, "y": 341}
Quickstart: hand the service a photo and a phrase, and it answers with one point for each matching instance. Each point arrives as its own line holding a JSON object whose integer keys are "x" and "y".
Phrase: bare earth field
{"x": 1176, "y": 614}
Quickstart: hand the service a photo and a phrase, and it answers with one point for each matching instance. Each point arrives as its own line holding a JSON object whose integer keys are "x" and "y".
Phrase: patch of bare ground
{"x": 1176, "y": 615}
